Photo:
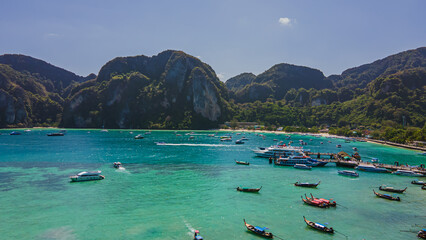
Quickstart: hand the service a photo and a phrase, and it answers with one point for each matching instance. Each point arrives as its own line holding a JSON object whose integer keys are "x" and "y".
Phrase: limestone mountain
{"x": 169, "y": 90}
{"x": 276, "y": 81}
{"x": 364, "y": 74}
{"x": 53, "y": 78}
{"x": 238, "y": 82}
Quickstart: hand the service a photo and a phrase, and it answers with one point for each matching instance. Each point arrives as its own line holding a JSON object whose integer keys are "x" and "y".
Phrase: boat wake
{"x": 190, "y": 228}
{"x": 194, "y": 145}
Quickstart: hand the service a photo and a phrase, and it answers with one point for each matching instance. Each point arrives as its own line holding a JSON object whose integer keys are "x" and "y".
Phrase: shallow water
{"x": 167, "y": 191}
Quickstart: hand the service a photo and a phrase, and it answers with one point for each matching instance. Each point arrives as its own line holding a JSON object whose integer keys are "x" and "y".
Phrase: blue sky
{"x": 231, "y": 36}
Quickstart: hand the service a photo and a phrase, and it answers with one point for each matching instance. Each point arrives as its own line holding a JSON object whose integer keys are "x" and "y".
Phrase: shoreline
{"x": 327, "y": 135}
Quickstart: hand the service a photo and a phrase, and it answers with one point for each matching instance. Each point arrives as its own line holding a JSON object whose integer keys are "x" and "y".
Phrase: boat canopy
{"x": 260, "y": 229}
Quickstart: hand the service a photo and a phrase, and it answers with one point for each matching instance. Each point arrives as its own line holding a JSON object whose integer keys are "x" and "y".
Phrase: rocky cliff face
{"x": 276, "y": 81}
{"x": 169, "y": 90}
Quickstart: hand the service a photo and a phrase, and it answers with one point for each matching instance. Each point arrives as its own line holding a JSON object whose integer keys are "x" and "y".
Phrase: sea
{"x": 171, "y": 189}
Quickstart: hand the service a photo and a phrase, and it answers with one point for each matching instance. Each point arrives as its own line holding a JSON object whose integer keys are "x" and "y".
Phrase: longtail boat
{"x": 391, "y": 189}
{"x": 314, "y": 203}
{"x": 387, "y": 196}
{"x": 318, "y": 226}
{"x": 242, "y": 162}
{"x": 258, "y": 230}
{"x": 311, "y": 185}
{"x": 248, "y": 189}
{"x": 422, "y": 234}
{"x": 417, "y": 182}
{"x": 329, "y": 202}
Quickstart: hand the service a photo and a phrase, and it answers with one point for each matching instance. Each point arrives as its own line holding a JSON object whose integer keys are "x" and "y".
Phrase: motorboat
{"x": 57, "y": 134}
{"x": 279, "y": 151}
{"x": 338, "y": 145}
{"x": 117, "y": 165}
{"x": 348, "y": 173}
{"x": 139, "y": 136}
{"x": 302, "y": 166}
{"x": 300, "y": 159}
{"x": 87, "y": 176}
{"x": 407, "y": 173}
{"x": 371, "y": 168}
{"x": 239, "y": 141}
{"x": 15, "y": 133}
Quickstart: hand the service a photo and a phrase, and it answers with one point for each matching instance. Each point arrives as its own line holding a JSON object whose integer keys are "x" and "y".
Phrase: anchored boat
{"x": 258, "y": 230}
{"x": 311, "y": 185}
{"x": 87, "y": 176}
{"x": 391, "y": 189}
{"x": 387, "y": 196}
{"x": 248, "y": 189}
{"x": 318, "y": 226}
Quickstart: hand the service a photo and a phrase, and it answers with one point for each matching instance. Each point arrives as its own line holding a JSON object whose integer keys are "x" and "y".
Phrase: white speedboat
{"x": 407, "y": 173}
{"x": 348, "y": 173}
{"x": 87, "y": 176}
{"x": 371, "y": 168}
{"x": 302, "y": 166}
{"x": 300, "y": 159}
{"x": 279, "y": 151}
{"x": 139, "y": 136}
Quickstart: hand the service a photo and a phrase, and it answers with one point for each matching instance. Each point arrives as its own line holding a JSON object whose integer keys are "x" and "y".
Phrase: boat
{"x": 15, "y": 133}
{"x": 279, "y": 151}
{"x": 387, "y": 196}
{"x": 391, "y": 189}
{"x": 374, "y": 160}
{"x": 355, "y": 149}
{"x": 197, "y": 236}
{"x": 302, "y": 166}
{"x": 318, "y": 226}
{"x": 314, "y": 203}
{"x": 139, "y": 136}
{"x": 258, "y": 230}
{"x": 407, "y": 173}
{"x": 87, "y": 176}
{"x": 347, "y": 163}
{"x": 239, "y": 141}
{"x": 104, "y": 130}
{"x": 417, "y": 182}
{"x": 226, "y": 139}
{"x": 55, "y": 134}
{"x": 338, "y": 146}
{"x": 422, "y": 234}
{"x": 242, "y": 162}
{"x": 299, "y": 159}
{"x": 148, "y": 133}
{"x": 244, "y": 139}
{"x": 117, "y": 165}
{"x": 311, "y": 185}
{"x": 424, "y": 187}
{"x": 348, "y": 173}
{"x": 248, "y": 189}
{"x": 371, "y": 168}
{"x": 329, "y": 202}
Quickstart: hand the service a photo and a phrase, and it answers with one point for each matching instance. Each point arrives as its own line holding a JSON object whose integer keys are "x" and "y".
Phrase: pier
{"x": 343, "y": 159}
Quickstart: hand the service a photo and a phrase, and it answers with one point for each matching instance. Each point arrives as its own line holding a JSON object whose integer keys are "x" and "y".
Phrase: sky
{"x": 232, "y": 36}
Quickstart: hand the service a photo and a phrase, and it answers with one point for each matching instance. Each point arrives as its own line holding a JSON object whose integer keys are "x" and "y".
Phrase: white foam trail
{"x": 194, "y": 145}
{"x": 190, "y": 228}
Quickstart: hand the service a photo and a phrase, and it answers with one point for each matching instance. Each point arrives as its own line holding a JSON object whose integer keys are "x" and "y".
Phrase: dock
{"x": 342, "y": 159}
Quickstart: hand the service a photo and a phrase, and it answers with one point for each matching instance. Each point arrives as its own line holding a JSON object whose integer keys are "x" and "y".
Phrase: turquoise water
{"x": 167, "y": 191}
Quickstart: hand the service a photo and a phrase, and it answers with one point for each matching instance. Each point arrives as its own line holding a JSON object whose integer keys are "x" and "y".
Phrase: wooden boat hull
{"x": 309, "y": 185}
{"x": 252, "y": 190}
{"x": 252, "y": 229}
{"x": 387, "y": 189}
{"x": 242, "y": 163}
{"x": 418, "y": 182}
{"x": 387, "y": 196}
{"x": 318, "y": 227}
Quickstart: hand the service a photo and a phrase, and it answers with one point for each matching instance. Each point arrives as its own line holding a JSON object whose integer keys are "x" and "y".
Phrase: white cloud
{"x": 221, "y": 76}
{"x": 285, "y": 21}
{"x": 51, "y": 35}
